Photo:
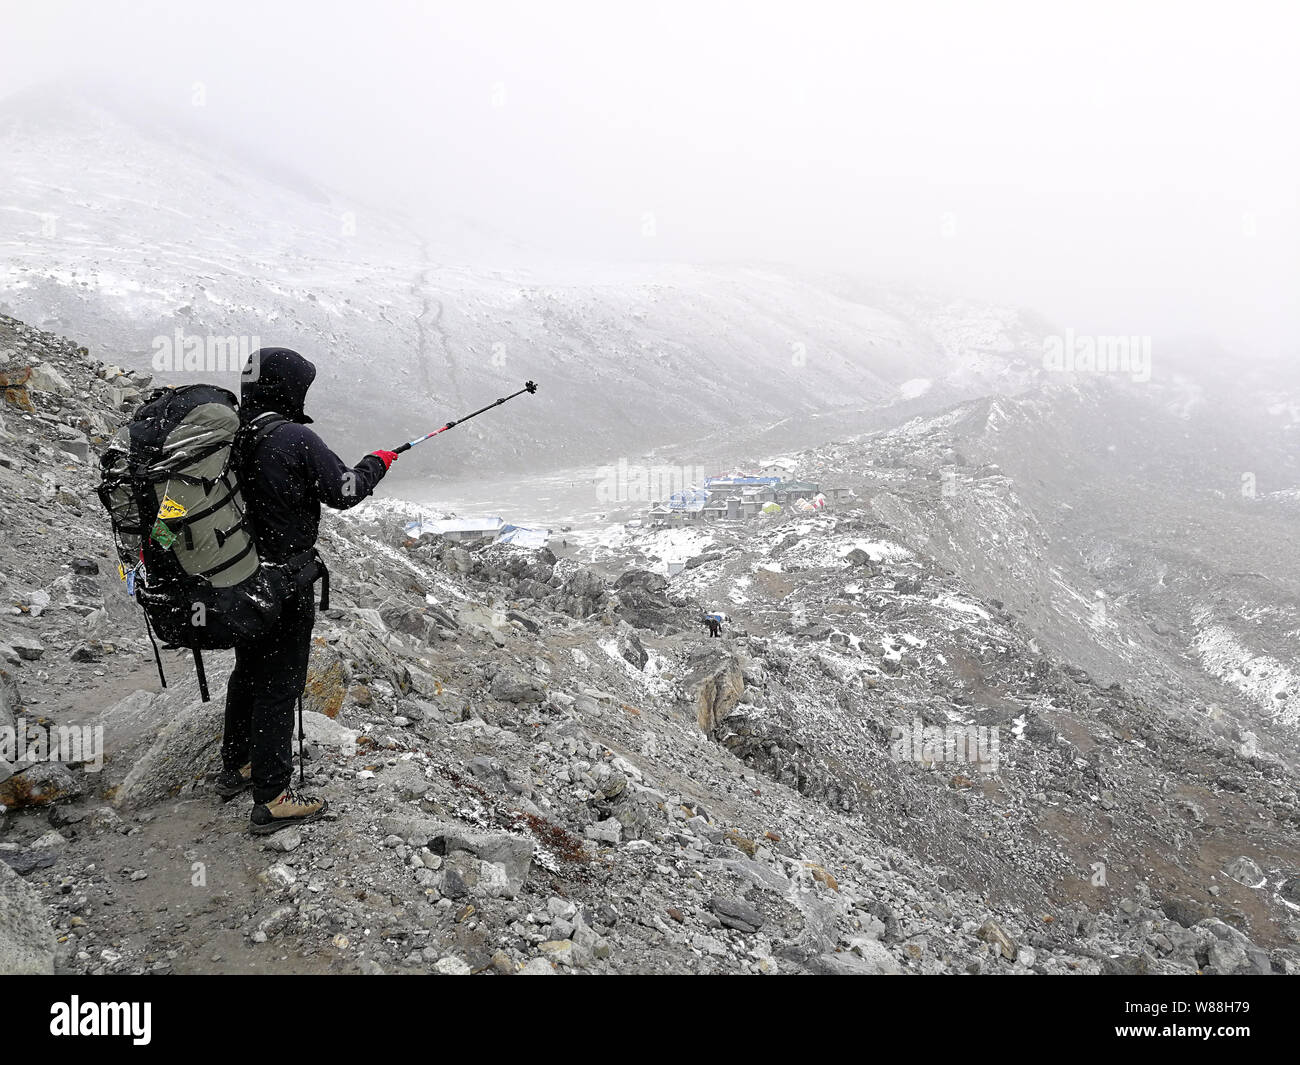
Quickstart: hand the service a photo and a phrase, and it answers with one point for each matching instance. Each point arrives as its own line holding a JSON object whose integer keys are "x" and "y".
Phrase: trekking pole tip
{"x": 531, "y": 386}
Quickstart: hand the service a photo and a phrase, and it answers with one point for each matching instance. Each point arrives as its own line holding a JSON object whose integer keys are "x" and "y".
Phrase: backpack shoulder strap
{"x": 264, "y": 424}
{"x": 254, "y": 431}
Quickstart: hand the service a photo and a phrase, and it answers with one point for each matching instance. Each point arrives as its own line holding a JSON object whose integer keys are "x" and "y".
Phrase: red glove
{"x": 386, "y": 457}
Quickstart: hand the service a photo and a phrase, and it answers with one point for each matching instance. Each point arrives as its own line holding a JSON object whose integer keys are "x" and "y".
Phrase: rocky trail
{"x": 540, "y": 765}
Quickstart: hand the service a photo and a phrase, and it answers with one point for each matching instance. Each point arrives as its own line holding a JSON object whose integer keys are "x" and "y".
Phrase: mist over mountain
{"x": 969, "y": 340}
{"x": 409, "y": 331}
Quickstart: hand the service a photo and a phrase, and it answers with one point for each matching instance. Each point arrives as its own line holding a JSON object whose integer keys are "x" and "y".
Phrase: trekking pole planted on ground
{"x": 529, "y": 387}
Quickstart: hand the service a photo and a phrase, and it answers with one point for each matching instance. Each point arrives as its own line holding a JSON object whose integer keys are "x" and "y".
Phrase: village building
{"x": 458, "y": 530}
{"x": 789, "y": 491}
{"x": 479, "y": 531}
{"x": 681, "y": 508}
{"x": 738, "y": 480}
{"x": 740, "y": 497}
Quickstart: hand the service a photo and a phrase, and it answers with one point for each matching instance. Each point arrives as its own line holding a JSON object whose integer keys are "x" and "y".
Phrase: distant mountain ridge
{"x": 1120, "y": 530}
{"x": 118, "y": 231}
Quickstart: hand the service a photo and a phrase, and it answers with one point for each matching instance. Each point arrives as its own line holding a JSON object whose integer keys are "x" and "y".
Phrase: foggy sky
{"x": 1122, "y": 168}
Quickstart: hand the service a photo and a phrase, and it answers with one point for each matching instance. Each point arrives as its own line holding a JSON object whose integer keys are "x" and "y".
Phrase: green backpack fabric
{"x": 186, "y": 545}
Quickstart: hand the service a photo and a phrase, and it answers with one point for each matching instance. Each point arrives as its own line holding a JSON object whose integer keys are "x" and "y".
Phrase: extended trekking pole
{"x": 529, "y": 387}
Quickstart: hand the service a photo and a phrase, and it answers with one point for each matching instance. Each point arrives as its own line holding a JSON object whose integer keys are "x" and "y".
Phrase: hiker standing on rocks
{"x": 714, "y": 624}
{"x": 286, "y": 473}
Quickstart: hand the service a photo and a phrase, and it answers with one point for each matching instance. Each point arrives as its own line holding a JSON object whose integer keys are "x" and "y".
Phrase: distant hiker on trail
{"x": 286, "y": 472}
{"x": 713, "y": 622}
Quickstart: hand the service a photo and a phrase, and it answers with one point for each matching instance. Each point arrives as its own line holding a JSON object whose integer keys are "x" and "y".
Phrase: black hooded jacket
{"x": 289, "y": 472}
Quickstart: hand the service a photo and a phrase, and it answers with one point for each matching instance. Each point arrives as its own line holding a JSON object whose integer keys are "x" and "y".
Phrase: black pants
{"x": 714, "y": 628}
{"x": 261, "y": 698}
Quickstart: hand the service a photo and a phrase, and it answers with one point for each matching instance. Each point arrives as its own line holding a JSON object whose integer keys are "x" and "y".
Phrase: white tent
{"x": 519, "y": 536}
{"x": 416, "y": 529}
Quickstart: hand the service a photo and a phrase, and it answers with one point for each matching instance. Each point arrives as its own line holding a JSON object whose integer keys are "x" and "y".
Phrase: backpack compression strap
{"x": 299, "y": 562}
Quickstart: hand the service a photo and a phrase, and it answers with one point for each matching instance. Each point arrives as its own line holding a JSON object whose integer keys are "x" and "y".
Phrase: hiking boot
{"x": 232, "y": 782}
{"x": 287, "y": 808}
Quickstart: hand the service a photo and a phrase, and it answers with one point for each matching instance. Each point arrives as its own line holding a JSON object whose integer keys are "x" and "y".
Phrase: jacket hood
{"x": 276, "y": 379}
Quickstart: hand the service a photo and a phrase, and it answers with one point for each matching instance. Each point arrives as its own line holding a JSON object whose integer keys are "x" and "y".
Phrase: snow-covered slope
{"x": 1117, "y": 529}
{"x": 119, "y": 232}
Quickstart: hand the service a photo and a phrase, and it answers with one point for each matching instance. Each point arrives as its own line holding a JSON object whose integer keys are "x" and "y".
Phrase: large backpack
{"x": 186, "y": 544}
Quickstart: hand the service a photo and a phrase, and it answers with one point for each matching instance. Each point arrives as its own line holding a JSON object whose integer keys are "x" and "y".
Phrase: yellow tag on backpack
{"x": 171, "y": 510}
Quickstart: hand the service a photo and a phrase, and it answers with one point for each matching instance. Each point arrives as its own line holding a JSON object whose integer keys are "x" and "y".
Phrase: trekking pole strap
{"x": 324, "y": 584}
{"x": 302, "y": 758}
{"x": 162, "y": 679}
{"x": 203, "y": 676}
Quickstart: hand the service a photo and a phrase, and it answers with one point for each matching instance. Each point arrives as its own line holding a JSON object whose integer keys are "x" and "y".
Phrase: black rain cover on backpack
{"x": 170, "y": 483}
